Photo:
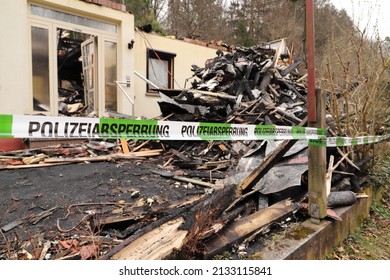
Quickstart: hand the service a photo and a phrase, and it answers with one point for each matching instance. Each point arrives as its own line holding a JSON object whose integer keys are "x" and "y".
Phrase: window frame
{"x": 163, "y": 56}
{"x": 52, "y": 83}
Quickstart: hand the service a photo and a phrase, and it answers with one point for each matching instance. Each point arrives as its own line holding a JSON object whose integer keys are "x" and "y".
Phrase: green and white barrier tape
{"x": 23, "y": 126}
{"x": 348, "y": 141}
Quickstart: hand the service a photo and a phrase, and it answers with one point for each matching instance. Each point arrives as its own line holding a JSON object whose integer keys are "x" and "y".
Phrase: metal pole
{"x": 310, "y": 49}
{"x": 118, "y": 83}
{"x": 146, "y": 80}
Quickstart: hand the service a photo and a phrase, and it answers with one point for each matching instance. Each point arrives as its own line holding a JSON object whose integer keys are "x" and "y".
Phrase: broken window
{"x": 160, "y": 69}
{"x": 40, "y": 68}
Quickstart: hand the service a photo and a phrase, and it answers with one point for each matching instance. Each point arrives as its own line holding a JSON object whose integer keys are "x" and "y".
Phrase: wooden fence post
{"x": 317, "y": 166}
{"x": 316, "y": 118}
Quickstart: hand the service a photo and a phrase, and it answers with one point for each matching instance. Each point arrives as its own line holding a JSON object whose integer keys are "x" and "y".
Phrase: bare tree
{"x": 195, "y": 18}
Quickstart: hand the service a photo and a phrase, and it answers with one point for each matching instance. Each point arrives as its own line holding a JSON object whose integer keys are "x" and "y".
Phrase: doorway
{"x": 74, "y": 63}
{"x": 75, "y": 72}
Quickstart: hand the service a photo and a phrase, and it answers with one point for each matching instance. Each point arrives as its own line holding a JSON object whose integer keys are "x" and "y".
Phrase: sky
{"x": 373, "y": 14}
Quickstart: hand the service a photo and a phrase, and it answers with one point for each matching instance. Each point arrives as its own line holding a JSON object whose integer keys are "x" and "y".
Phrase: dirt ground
{"x": 27, "y": 193}
{"x": 60, "y": 204}
{"x": 56, "y": 204}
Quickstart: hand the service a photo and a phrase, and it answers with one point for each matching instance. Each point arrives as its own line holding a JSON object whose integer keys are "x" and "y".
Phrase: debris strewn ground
{"x": 100, "y": 199}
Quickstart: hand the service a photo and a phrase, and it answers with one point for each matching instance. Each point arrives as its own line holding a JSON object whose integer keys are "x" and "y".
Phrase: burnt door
{"x": 89, "y": 61}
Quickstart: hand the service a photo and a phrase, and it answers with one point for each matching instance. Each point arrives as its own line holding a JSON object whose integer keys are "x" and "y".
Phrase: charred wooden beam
{"x": 291, "y": 67}
{"x": 246, "y": 226}
{"x": 182, "y": 229}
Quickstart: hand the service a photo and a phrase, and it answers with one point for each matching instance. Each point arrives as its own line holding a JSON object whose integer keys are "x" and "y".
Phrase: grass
{"x": 371, "y": 241}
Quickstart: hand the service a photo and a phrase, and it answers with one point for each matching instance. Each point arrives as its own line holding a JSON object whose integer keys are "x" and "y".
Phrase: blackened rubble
{"x": 257, "y": 85}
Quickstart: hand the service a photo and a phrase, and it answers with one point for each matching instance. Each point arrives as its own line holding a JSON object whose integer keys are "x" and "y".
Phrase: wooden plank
{"x": 347, "y": 159}
{"x": 83, "y": 159}
{"x": 223, "y": 148}
{"x": 330, "y": 171}
{"x": 215, "y": 94}
{"x": 241, "y": 229}
{"x": 34, "y": 159}
{"x": 211, "y": 164}
{"x": 180, "y": 155}
{"x": 195, "y": 182}
{"x": 155, "y": 244}
{"x": 117, "y": 219}
{"x": 205, "y": 174}
{"x": 140, "y": 146}
{"x": 184, "y": 179}
{"x": 100, "y": 239}
{"x": 11, "y": 225}
{"x": 186, "y": 201}
{"x": 145, "y": 153}
{"x": 32, "y": 165}
{"x": 125, "y": 217}
{"x": 329, "y": 175}
{"x": 131, "y": 155}
{"x": 301, "y": 78}
{"x": 125, "y": 146}
{"x": 45, "y": 248}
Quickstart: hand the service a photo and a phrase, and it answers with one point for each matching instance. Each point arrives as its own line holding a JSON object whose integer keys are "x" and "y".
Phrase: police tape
{"x": 348, "y": 141}
{"x": 24, "y": 126}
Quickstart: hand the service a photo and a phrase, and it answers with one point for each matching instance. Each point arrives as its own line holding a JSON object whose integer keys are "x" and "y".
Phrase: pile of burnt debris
{"x": 257, "y": 85}
{"x": 243, "y": 187}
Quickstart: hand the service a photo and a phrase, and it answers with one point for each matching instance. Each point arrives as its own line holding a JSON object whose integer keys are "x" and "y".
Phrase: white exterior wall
{"x": 15, "y": 51}
{"x": 186, "y": 55}
{"x": 15, "y": 56}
